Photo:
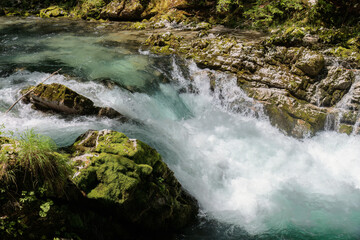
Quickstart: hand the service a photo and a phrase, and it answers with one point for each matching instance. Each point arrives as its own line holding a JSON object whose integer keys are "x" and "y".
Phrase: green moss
{"x": 53, "y": 11}
{"x": 125, "y": 174}
{"x": 61, "y": 95}
{"x": 344, "y": 128}
{"x": 138, "y": 26}
{"x": 89, "y": 9}
{"x": 342, "y": 52}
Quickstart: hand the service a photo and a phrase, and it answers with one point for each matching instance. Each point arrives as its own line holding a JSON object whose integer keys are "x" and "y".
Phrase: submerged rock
{"x": 59, "y": 98}
{"x": 130, "y": 178}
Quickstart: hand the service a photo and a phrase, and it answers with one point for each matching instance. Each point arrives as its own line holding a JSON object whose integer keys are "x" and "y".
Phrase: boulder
{"x": 311, "y": 63}
{"x": 130, "y": 178}
{"x": 335, "y": 86}
{"x": 123, "y": 10}
{"x": 59, "y": 98}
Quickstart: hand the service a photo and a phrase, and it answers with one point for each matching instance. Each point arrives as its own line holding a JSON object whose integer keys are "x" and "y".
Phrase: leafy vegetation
{"x": 31, "y": 173}
{"x": 31, "y": 162}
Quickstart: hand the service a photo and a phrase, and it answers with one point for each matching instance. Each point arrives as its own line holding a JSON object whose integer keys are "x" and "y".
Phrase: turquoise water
{"x": 251, "y": 181}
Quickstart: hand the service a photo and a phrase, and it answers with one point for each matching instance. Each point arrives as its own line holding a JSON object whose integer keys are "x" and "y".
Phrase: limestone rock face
{"x": 61, "y": 99}
{"x": 298, "y": 86}
{"x": 130, "y": 177}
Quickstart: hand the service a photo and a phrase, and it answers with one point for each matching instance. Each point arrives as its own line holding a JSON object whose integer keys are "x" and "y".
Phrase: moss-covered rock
{"x": 130, "y": 177}
{"x": 61, "y": 99}
{"x": 124, "y": 189}
{"x": 166, "y": 43}
{"x": 292, "y": 36}
{"x": 123, "y": 10}
{"x": 53, "y": 11}
{"x": 344, "y": 128}
{"x": 311, "y": 63}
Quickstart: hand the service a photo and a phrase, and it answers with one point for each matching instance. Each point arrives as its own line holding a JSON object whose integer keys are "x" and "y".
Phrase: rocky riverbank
{"x": 302, "y": 85}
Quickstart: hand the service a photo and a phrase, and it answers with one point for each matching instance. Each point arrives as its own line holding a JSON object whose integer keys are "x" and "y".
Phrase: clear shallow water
{"x": 251, "y": 181}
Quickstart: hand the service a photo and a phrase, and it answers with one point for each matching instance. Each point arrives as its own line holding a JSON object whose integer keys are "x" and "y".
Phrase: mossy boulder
{"x": 166, "y": 43}
{"x": 311, "y": 63}
{"x": 59, "y": 98}
{"x": 156, "y": 7}
{"x": 123, "y": 10}
{"x": 53, "y": 11}
{"x": 291, "y": 36}
{"x": 344, "y": 128}
{"x": 130, "y": 178}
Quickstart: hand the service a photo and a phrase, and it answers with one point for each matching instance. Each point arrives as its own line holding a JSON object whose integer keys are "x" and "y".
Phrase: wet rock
{"x": 129, "y": 177}
{"x": 355, "y": 98}
{"x": 335, "y": 86}
{"x": 295, "y": 117}
{"x": 344, "y": 128}
{"x": 311, "y": 63}
{"x": 59, "y": 98}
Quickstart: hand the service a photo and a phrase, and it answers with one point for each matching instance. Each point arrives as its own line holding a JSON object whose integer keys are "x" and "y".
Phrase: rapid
{"x": 251, "y": 181}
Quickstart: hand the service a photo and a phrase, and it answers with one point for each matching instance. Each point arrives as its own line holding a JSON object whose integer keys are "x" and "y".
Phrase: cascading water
{"x": 251, "y": 181}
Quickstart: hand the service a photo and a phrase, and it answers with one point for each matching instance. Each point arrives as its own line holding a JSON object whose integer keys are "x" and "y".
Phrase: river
{"x": 251, "y": 181}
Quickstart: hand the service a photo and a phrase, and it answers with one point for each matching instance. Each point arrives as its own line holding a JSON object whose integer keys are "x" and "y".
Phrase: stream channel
{"x": 251, "y": 181}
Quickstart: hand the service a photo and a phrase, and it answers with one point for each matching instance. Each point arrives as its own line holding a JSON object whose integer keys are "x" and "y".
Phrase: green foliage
{"x": 226, "y": 5}
{"x": 268, "y": 13}
{"x": 45, "y": 208}
{"x": 323, "y": 13}
{"x": 335, "y": 13}
{"x": 32, "y": 162}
